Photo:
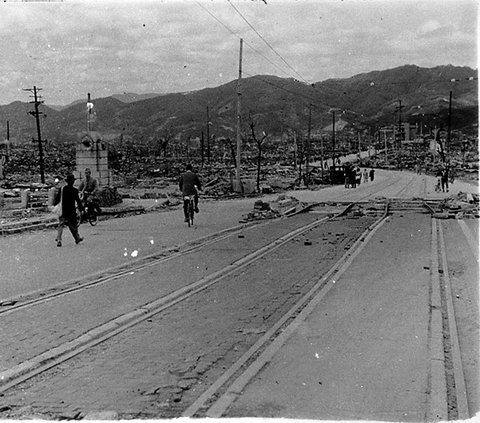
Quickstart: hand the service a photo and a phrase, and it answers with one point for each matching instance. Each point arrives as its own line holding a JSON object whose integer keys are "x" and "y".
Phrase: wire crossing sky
{"x": 72, "y": 48}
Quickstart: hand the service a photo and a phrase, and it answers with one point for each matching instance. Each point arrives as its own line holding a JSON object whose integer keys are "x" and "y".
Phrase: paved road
{"x": 30, "y": 261}
{"x": 379, "y": 306}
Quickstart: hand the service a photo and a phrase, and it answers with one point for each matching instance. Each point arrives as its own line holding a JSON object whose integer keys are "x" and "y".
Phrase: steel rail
{"x": 246, "y": 367}
{"x": 107, "y": 275}
{"x": 446, "y": 393}
{"x": 456, "y": 360}
{"x": 57, "y": 355}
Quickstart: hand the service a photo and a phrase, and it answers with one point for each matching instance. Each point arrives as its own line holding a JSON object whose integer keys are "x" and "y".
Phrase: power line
{"x": 282, "y": 88}
{"x": 247, "y": 44}
{"x": 267, "y": 43}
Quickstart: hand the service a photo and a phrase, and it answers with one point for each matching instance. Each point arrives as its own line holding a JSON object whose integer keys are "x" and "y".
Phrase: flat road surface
{"x": 359, "y": 313}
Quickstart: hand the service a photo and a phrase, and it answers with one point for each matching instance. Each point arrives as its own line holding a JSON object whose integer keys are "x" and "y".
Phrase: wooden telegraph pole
{"x": 208, "y": 134}
{"x": 36, "y": 102}
{"x": 307, "y": 177}
{"x": 239, "y": 146}
{"x": 333, "y": 138}
{"x": 449, "y": 133}
{"x": 400, "y": 129}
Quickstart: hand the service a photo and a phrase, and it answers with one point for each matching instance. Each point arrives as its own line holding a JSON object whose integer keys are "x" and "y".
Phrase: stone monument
{"x": 92, "y": 152}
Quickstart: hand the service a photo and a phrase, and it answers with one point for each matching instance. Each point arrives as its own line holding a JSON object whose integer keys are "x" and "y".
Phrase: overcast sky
{"x": 108, "y": 47}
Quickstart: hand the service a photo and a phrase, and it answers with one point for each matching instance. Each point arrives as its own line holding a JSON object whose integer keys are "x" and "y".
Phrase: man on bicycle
{"x": 88, "y": 192}
{"x": 189, "y": 185}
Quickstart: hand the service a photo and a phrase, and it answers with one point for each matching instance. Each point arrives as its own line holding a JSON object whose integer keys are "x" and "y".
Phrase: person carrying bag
{"x": 67, "y": 200}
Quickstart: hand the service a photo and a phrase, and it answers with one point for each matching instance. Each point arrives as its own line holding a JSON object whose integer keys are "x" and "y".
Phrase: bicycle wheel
{"x": 93, "y": 218}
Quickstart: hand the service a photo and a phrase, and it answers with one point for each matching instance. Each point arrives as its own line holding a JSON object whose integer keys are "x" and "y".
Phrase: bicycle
{"x": 190, "y": 208}
{"x": 90, "y": 215}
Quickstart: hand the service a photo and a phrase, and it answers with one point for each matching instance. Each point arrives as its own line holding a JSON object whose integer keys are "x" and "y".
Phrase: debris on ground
{"x": 282, "y": 206}
{"x": 261, "y": 211}
{"x": 459, "y": 206}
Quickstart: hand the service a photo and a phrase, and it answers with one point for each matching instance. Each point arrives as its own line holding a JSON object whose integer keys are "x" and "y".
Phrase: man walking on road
{"x": 372, "y": 174}
{"x": 444, "y": 179}
{"x": 189, "y": 185}
{"x": 68, "y": 195}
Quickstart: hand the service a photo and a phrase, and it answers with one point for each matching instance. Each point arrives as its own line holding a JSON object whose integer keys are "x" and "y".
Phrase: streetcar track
{"x": 461, "y": 404}
{"x": 216, "y": 400}
{"x": 107, "y": 275}
{"x": 55, "y": 356}
{"x": 226, "y": 388}
{"x": 446, "y": 386}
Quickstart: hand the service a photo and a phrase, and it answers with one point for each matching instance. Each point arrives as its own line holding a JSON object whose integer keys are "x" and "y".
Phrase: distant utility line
{"x": 266, "y": 42}
{"x": 236, "y": 35}
{"x": 296, "y": 94}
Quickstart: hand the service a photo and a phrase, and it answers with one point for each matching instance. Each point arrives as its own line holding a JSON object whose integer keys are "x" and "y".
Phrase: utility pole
{"x": 239, "y": 147}
{"x": 307, "y": 177}
{"x": 449, "y": 133}
{"x": 202, "y": 147}
{"x": 208, "y": 135}
{"x": 89, "y": 114}
{"x": 333, "y": 139}
{"x": 385, "y": 140}
{"x": 399, "y": 109}
{"x": 36, "y": 113}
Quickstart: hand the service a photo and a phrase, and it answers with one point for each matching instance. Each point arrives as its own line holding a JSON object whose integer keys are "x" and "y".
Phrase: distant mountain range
{"x": 124, "y": 98}
{"x": 276, "y": 104}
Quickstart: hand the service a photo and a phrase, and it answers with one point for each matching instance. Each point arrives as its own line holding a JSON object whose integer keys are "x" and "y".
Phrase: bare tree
{"x": 165, "y": 140}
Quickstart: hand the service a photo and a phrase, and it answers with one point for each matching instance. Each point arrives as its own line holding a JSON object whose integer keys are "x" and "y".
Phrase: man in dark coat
{"x": 68, "y": 195}
{"x": 444, "y": 178}
{"x": 189, "y": 185}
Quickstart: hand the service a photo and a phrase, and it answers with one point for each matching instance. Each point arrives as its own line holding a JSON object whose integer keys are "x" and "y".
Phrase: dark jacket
{"x": 187, "y": 183}
{"x": 69, "y": 195}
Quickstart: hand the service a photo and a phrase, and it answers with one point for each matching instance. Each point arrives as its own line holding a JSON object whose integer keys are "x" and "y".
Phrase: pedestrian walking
{"x": 346, "y": 175}
{"x": 68, "y": 197}
{"x": 365, "y": 175}
{"x": 444, "y": 179}
{"x": 452, "y": 176}
{"x": 372, "y": 175}
{"x": 353, "y": 177}
{"x": 358, "y": 176}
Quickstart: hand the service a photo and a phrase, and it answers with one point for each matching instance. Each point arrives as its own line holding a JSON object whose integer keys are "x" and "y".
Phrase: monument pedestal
{"x": 92, "y": 153}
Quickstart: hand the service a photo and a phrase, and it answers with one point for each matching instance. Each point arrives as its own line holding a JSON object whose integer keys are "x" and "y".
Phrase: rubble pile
{"x": 218, "y": 180}
{"x": 282, "y": 206}
{"x": 461, "y": 206}
{"x": 109, "y": 196}
{"x": 261, "y": 211}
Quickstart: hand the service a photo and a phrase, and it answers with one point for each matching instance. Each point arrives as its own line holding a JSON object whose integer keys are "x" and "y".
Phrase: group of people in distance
{"x": 354, "y": 175}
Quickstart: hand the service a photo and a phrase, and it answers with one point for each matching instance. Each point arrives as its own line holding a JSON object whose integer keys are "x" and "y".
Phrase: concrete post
{"x": 25, "y": 197}
{"x": 52, "y": 192}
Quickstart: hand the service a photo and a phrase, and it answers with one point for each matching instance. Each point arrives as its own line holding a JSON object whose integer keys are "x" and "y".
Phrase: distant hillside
{"x": 131, "y": 97}
{"x": 276, "y": 104}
